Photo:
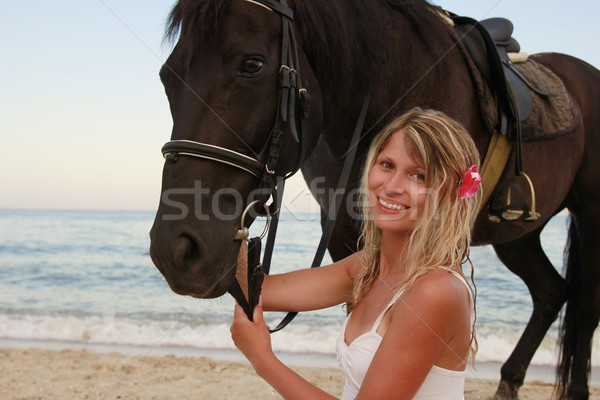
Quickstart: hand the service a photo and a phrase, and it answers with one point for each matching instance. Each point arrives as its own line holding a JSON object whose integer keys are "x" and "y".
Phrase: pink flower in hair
{"x": 470, "y": 183}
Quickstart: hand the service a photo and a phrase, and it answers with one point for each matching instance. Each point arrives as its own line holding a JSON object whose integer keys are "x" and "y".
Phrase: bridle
{"x": 291, "y": 94}
{"x": 264, "y": 166}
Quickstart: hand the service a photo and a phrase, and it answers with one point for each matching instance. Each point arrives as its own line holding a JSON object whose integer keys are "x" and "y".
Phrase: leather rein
{"x": 263, "y": 166}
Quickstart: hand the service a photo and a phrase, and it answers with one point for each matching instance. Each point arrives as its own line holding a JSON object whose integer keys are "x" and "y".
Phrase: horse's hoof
{"x": 506, "y": 392}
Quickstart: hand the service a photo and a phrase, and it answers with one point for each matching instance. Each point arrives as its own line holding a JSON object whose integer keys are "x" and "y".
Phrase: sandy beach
{"x": 32, "y": 373}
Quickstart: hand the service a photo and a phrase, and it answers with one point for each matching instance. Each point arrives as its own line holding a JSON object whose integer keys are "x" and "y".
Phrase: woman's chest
{"x": 367, "y": 313}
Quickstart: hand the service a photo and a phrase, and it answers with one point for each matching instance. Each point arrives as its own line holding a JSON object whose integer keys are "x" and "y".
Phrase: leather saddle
{"x": 488, "y": 42}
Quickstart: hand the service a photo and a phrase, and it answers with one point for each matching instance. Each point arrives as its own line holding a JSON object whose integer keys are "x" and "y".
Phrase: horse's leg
{"x": 583, "y": 307}
{"x": 581, "y": 317}
{"x": 526, "y": 258}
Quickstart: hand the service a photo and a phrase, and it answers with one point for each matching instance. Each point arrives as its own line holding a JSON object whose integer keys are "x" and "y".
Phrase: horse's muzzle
{"x": 184, "y": 260}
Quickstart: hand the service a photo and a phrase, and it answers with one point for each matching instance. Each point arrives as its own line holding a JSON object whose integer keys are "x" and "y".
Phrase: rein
{"x": 256, "y": 270}
{"x": 263, "y": 167}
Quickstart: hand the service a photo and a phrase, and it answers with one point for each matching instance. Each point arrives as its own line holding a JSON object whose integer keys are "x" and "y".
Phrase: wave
{"x": 312, "y": 336}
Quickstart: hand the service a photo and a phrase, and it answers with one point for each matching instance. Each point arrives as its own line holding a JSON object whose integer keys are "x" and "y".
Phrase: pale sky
{"x": 83, "y": 114}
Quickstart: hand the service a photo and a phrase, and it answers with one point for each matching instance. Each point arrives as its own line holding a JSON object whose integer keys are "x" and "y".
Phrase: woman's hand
{"x": 252, "y": 338}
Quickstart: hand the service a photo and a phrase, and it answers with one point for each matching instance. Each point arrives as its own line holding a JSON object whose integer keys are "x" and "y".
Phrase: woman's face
{"x": 397, "y": 187}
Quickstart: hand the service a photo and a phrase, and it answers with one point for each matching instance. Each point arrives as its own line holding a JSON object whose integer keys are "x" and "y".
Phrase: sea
{"x": 84, "y": 279}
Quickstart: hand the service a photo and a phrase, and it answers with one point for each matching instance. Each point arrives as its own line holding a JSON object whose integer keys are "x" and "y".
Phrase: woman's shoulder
{"x": 352, "y": 264}
{"x": 439, "y": 289}
{"x": 435, "y": 306}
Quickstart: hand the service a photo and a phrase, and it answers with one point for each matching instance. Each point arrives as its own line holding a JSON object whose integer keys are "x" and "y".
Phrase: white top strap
{"x": 399, "y": 293}
{"x": 380, "y": 317}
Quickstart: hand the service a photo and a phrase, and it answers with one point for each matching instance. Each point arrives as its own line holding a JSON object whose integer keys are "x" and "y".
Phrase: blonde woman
{"x": 409, "y": 332}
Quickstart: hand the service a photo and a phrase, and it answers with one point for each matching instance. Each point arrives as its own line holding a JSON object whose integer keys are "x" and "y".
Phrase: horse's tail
{"x": 568, "y": 326}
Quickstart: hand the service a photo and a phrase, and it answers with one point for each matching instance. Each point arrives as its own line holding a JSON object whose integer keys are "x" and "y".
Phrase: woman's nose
{"x": 395, "y": 185}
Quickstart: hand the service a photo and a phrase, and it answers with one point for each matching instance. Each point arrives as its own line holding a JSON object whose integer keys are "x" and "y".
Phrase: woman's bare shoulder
{"x": 352, "y": 264}
{"x": 438, "y": 290}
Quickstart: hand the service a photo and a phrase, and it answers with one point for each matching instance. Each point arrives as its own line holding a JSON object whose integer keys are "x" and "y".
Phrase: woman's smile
{"x": 390, "y": 206}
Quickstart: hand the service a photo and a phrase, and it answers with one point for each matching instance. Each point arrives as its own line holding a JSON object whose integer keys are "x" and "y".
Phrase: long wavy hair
{"x": 442, "y": 234}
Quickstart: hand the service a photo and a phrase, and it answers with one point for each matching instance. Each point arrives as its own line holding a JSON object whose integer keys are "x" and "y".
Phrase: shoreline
{"x": 485, "y": 371}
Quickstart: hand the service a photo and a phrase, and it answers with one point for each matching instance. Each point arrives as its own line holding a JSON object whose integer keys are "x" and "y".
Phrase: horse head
{"x": 237, "y": 100}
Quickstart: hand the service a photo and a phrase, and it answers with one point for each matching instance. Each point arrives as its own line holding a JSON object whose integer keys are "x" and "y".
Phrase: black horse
{"x": 223, "y": 82}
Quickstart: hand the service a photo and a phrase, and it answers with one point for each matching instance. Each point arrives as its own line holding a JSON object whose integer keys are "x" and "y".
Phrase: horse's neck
{"x": 403, "y": 63}
{"x": 384, "y": 54}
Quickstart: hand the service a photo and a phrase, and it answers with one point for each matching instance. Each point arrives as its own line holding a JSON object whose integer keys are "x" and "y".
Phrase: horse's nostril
{"x": 186, "y": 253}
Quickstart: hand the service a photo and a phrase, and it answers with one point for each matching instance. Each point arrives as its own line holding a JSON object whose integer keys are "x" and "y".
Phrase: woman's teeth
{"x": 391, "y": 206}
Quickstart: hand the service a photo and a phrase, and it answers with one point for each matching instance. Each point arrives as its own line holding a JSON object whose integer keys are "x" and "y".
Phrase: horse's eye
{"x": 251, "y": 66}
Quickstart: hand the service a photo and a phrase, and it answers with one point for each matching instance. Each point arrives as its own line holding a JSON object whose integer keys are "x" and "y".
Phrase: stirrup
{"x": 504, "y": 208}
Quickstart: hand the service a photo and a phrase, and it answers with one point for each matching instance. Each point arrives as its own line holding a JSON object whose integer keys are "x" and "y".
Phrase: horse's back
{"x": 581, "y": 79}
{"x": 583, "y": 83}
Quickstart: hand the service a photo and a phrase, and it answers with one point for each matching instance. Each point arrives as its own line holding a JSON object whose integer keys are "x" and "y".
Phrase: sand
{"x": 33, "y": 373}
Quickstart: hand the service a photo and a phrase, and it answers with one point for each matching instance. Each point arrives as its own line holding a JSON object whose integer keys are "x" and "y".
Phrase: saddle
{"x": 488, "y": 43}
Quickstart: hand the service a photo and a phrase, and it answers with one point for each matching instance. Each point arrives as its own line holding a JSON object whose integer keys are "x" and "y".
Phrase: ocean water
{"x": 85, "y": 277}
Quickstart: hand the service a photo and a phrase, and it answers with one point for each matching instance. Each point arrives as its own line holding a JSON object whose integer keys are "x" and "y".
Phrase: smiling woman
{"x": 405, "y": 289}
{"x": 416, "y": 158}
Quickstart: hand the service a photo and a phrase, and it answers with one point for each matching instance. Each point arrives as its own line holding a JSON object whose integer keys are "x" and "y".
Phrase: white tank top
{"x": 355, "y": 359}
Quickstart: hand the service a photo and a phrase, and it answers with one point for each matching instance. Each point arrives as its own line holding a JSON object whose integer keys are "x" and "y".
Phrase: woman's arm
{"x": 305, "y": 289}
{"x": 429, "y": 324}
{"x": 253, "y": 339}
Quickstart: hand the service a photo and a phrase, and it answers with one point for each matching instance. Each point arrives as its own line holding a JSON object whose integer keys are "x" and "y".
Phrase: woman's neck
{"x": 393, "y": 256}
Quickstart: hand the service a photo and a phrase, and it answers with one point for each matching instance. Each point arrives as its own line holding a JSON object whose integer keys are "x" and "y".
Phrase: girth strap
{"x": 493, "y": 164}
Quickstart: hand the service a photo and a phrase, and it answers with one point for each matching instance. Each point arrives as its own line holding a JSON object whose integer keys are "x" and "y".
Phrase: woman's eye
{"x": 251, "y": 66}
{"x": 419, "y": 176}
{"x": 387, "y": 165}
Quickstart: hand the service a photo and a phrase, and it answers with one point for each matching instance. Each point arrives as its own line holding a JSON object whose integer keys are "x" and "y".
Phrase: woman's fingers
{"x": 257, "y": 314}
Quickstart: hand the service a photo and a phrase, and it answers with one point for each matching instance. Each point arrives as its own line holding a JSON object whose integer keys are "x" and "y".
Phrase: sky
{"x": 83, "y": 114}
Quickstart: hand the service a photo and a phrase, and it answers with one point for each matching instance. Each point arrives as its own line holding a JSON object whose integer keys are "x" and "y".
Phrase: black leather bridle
{"x": 291, "y": 93}
{"x": 264, "y": 166}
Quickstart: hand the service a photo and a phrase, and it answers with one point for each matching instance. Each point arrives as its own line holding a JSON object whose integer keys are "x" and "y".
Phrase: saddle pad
{"x": 551, "y": 116}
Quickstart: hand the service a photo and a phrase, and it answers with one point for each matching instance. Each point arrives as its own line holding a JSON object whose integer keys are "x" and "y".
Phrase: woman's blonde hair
{"x": 442, "y": 234}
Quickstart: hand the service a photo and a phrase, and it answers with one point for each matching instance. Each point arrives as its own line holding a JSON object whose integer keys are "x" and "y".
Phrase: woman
{"x": 409, "y": 333}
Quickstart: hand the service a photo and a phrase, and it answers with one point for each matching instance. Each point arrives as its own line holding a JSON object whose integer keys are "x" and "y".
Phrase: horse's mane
{"x": 346, "y": 40}
{"x": 194, "y": 20}
{"x": 351, "y": 39}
